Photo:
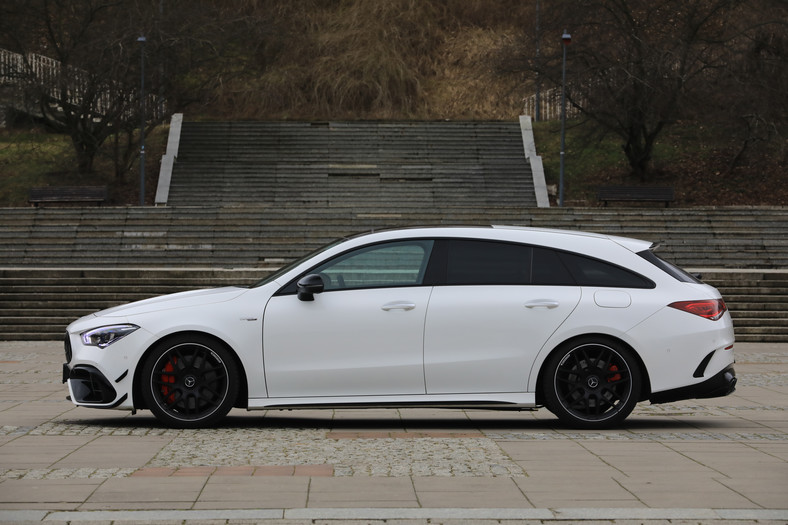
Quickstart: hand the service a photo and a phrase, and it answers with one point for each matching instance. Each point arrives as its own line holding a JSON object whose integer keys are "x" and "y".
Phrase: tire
{"x": 592, "y": 383}
{"x": 190, "y": 382}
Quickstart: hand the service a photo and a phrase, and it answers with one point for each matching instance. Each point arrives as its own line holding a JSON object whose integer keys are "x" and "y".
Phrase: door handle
{"x": 398, "y": 305}
{"x": 542, "y": 303}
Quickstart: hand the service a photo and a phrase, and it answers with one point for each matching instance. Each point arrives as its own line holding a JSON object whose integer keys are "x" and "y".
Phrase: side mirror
{"x": 308, "y": 286}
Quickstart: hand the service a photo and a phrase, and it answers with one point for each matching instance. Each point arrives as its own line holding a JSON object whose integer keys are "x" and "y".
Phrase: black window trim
{"x": 436, "y": 274}
{"x": 441, "y": 249}
{"x": 290, "y": 287}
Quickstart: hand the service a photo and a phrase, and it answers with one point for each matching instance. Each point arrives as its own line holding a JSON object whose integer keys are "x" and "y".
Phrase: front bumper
{"x": 719, "y": 385}
{"x": 88, "y": 386}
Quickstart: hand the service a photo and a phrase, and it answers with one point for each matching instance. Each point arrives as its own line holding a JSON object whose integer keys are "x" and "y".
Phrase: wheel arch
{"x": 242, "y": 399}
{"x": 645, "y": 388}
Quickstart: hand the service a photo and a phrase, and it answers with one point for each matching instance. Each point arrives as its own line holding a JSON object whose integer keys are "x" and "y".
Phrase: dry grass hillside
{"x": 411, "y": 59}
{"x": 397, "y": 59}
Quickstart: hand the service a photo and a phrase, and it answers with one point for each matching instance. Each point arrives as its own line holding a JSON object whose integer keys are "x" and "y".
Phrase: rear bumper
{"x": 719, "y": 385}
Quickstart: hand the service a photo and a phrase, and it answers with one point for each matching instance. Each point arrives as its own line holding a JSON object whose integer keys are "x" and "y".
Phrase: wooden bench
{"x": 636, "y": 193}
{"x": 68, "y": 194}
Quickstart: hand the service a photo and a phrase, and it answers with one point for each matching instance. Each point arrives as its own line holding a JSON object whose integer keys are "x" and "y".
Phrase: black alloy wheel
{"x": 190, "y": 382}
{"x": 592, "y": 383}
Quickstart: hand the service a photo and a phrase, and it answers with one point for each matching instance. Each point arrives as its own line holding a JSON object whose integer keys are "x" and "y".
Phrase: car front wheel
{"x": 592, "y": 383}
{"x": 189, "y": 382}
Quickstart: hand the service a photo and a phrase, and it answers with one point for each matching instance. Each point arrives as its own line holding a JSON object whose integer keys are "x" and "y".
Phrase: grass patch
{"x": 29, "y": 159}
{"x": 590, "y": 159}
{"x": 34, "y": 158}
{"x": 702, "y": 163}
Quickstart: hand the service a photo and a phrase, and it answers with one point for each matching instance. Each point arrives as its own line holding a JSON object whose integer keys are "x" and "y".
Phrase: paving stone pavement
{"x": 719, "y": 460}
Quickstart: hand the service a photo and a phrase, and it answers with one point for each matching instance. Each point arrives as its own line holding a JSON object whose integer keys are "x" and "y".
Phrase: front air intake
{"x": 89, "y": 386}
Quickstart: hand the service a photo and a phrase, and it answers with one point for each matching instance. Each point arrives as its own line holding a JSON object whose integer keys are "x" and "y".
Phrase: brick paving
{"x": 721, "y": 459}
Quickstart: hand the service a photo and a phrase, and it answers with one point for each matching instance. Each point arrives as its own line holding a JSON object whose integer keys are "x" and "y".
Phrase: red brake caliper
{"x": 167, "y": 378}
{"x": 615, "y": 377}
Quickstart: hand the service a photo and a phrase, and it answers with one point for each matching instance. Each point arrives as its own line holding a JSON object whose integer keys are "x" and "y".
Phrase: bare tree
{"x": 750, "y": 90}
{"x": 78, "y": 73}
{"x": 81, "y": 71}
{"x": 636, "y": 66}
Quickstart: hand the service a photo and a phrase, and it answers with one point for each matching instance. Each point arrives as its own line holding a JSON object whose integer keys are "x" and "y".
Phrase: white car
{"x": 586, "y": 325}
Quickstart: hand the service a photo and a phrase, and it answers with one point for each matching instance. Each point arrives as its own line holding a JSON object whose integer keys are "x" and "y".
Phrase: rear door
{"x": 486, "y": 325}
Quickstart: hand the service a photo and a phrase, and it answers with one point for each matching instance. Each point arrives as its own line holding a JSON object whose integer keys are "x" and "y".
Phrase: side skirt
{"x": 498, "y": 401}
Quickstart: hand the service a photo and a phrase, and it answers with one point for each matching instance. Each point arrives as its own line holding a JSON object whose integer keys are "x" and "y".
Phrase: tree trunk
{"x": 639, "y": 148}
{"x": 85, "y": 152}
{"x": 638, "y": 154}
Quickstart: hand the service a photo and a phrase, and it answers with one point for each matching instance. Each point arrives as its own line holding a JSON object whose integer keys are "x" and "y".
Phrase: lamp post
{"x": 538, "y": 97}
{"x": 566, "y": 39}
{"x": 142, "y": 41}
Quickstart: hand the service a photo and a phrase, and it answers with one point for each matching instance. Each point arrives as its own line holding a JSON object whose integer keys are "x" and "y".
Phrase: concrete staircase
{"x": 384, "y": 165}
{"x": 37, "y": 304}
{"x": 59, "y": 263}
{"x": 260, "y": 236}
{"x": 246, "y": 197}
{"x": 758, "y": 301}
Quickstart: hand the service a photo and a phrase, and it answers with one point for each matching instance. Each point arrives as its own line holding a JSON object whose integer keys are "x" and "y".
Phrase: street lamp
{"x": 538, "y": 97}
{"x": 142, "y": 41}
{"x": 566, "y": 39}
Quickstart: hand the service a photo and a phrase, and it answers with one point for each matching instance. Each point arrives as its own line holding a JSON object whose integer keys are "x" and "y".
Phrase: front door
{"x": 363, "y": 335}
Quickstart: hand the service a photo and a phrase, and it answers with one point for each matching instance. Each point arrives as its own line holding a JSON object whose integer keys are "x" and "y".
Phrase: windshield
{"x": 274, "y": 276}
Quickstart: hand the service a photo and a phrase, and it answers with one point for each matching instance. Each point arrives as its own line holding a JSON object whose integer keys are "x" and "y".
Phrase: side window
{"x": 487, "y": 262}
{"x": 382, "y": 265}
{"x": 549, "y": 270}
{"x": 669, "y": 268}
{"x": 593, "y": 272}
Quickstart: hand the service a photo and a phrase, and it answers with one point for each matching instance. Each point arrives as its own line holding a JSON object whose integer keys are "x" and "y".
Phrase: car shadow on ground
{"x": 447, "y": 422}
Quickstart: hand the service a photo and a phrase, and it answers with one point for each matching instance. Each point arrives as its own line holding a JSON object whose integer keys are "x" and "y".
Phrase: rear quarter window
{"x": 558, "y": 267}
{"x": 670, "y": 269}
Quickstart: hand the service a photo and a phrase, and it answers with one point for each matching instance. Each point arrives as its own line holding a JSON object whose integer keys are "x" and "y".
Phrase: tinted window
{"x": 382, "y": 265}
{"x": 593, "y": 272}
{"x": 548, "y": 269}
{"x": 485, "y": 262}
{"x": 668, "y": 268}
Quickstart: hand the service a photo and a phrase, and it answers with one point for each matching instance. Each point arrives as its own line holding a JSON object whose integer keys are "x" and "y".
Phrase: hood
{"x": 176, "y": 300}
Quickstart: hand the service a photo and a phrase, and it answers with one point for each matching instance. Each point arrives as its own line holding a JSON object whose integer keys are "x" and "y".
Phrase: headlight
{"x": 106, "y": 335}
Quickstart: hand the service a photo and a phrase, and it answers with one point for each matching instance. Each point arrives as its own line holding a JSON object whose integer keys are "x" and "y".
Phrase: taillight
{"x": 711, "y": 309}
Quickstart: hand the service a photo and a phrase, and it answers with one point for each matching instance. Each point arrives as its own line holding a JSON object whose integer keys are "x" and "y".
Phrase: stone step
{"x": 58, "y": 286}
{"x": 67, "y": 313}
{"x": 746, "y": 316}
{"x": 265, "y": 237}
{"x": 735, "y": 292}
{"x": 65, "y": 294}
{"x": 748, "y": 322}
{"x": 34, "y": 305}
{"x": 36, "y": 335}
{"x": 742, "y": 222}
{"x": 13, "y": 324}
{"x": 761, "y": 338}
{"x": 472, "y": 163}
{"x": 763, "y": 331}
{"x": 756, "y": 304}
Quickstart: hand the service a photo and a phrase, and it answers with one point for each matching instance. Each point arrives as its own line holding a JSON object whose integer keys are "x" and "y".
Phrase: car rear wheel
{"x": 592, "y": 383}
{"x": 190, "y": 382}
